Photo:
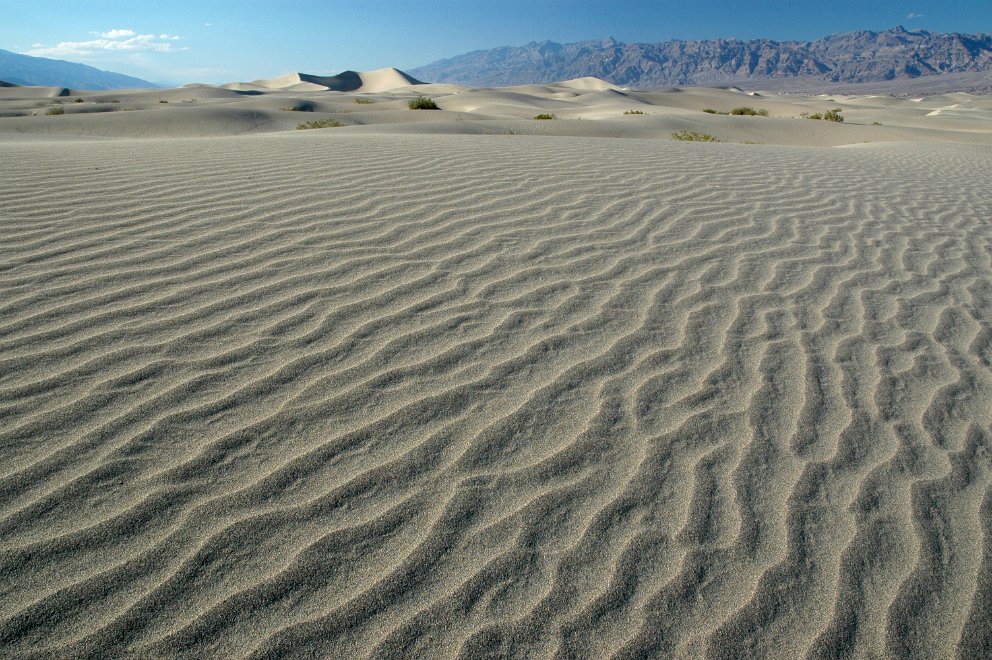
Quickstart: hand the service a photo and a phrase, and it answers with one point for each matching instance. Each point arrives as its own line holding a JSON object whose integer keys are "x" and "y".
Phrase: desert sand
{"x": 462, "y": 383}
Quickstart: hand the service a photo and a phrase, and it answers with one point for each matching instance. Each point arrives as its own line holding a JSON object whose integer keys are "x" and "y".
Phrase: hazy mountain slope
{"x": 28, "y": 70}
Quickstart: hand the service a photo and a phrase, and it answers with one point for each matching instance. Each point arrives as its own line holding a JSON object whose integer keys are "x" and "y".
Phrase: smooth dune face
{"x": 349, "y": 393}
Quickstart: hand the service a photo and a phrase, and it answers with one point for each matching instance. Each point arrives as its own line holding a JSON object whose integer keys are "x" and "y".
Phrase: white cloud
{"x": 114, "y": 34}
{"x": 913, "y": 14}
{"x": 111, "y": 41}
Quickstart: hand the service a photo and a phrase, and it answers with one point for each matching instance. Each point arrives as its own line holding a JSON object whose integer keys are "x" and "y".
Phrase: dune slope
{"x": 356, "y": 395}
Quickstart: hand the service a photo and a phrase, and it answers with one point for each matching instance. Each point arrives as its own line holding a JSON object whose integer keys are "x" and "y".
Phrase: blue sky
{"x": 183, "y": 41}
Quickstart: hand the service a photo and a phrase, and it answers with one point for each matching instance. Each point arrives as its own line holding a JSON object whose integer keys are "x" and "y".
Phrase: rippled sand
{"x": 333, "y": 394}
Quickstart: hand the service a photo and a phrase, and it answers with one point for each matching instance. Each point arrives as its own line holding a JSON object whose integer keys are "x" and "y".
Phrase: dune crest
{"x": 379, "y": 80}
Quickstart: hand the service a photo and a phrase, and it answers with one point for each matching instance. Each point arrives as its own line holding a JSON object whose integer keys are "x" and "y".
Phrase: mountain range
{"x": 27, "y": 70}
{"x": 851, "y": 57}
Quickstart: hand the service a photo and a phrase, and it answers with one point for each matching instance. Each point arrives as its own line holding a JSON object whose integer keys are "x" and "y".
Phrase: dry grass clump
{"x": 829, "y": 115}
{"x": 742, "y": 111}
{"x": 319, "y": 123}
{"x": 693, "y": 136}
{"x": 57, "y": 110}
{"x": 545, "y": 116}
{"x": 634, "y": 112}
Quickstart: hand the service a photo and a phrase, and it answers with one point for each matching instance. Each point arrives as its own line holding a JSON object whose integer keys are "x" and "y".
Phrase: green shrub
{"x": 693, "y": 136}
{"x": 57, "y": 110}
{"x": 876, "y": 123}
{"x": 749, "y": 112}
{"x": 78, "y": 101}
{"x": 710, "y": 111}
{"x": 422, "y": 103}
{"x": 364, "y": 101}
{"x": 320, "y": 123}
{"x": 162, "y": 101}
{"x": 833, "y": 115}
{"x": 545, "y": 116}
{"x": 634, "y": 112}
{"x": 829, "y": 115}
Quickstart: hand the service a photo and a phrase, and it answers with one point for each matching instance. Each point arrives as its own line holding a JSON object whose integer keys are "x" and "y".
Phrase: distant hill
{"x": 852, "y": 57}
{"x": 28, "y": 70}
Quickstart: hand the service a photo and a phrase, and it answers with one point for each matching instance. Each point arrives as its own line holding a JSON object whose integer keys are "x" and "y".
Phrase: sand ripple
{"x": 431, "y": 396}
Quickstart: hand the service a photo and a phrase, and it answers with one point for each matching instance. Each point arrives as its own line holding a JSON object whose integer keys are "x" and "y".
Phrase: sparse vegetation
{"x": 422, "y": 103}
{"x": 162, "y": 101}
{"x": 749, "y": 112}
{"x": 876, "y": 123}
{"x": 364, "y": 101}
{"x": 78, "y": 101}
{"x": 742, "y": 111}
{"x": 693, "y": 136}
{"x": 319, "y": 123}
{"x": 829, "y": 115}
{"x": 57, "y": 110}
{"x": 545, "y": 116}
{"x": 833, "y": 115}
{"x": 634, "y": 112}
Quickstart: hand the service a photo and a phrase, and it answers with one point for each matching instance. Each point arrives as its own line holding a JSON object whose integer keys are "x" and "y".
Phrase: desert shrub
{"x": 709, "y": 111}
{"x": 162, "y": 101}
{"x": 749, "y": 112}
{"x": 634, "y": 112}
{"x": 833, "y": 115}
{"x": 319, "y": 123}
{"x": 78, "y": 101}
{"x": 693, "y": 136}
{"x": 876, "y": 123}
{"x": 829, "y": 115}
{"x": 422, "y": 103}
{"x": 57, "y": 110}
{"x": 364, "y": 101}
{"x": 545, "y": 116}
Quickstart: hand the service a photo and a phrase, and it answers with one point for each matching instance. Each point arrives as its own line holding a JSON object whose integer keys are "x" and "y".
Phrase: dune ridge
{"x": 370, "y": 395}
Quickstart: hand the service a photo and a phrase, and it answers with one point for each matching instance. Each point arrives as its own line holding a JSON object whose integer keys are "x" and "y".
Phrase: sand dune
{"x": 584, "y": 107}
{"x": 380, "y": 80}
{"x": 402, "y": 389}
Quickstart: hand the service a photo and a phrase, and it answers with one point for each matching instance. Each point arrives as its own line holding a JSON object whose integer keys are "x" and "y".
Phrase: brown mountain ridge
{"x": 852, "y": 57}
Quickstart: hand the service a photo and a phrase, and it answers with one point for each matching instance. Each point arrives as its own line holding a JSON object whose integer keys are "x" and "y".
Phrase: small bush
{"x": 78, "y": 101}
{"x": 162, "y": 101}
{"x": 748, "y": 112}
{"x": 876, "y": 123}
{"x": 545, "y": 116}
{"x": 710, "y": 111}
{"x": 364, "y": 101}
{"x": 829, "y": 115}
{"x": 833, "y": 115}
{"x": 634, "y": 112}
{"x": 319, "y": 123}
{"x": 422, "y": 103}
{"x": 693, "y": 136}
{"x": 57, "y": 110}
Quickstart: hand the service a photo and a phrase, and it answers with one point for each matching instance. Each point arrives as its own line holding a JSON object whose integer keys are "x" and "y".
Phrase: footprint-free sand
{"x": 462, "y": 383}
